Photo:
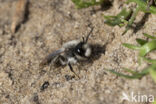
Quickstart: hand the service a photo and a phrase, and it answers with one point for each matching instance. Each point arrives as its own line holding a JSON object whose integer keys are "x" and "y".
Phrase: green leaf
{"x": 151, "y": 61}
{"x": 144, "y": 71}
{"x": 153, "y": 72}
{"x": 83, "y": 4}
{"x": 129, "y": 70}
{"x": 146, "y": 48}
{"x": 143, "y": 6}
{"x": 149, "y": 36}
{"x": 120, "y": 19}
{"x": 131, "y": 46}
{"x": 123, "y": 75}
{"x": 135, "y": 75}
{"x": 141, "y": 41}
{"x": 131, "y": 20}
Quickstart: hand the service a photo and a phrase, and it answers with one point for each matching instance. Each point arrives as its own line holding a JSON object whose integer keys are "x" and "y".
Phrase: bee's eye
{"x": 79, "y": 50}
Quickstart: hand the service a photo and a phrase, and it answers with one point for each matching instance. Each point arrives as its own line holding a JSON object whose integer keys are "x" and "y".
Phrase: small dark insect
{"x": 71, "y": 52}
{"x": 44, "y": 86}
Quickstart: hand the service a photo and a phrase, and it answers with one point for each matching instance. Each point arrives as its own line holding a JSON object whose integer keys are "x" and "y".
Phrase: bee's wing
{"x": 51, "y": 57}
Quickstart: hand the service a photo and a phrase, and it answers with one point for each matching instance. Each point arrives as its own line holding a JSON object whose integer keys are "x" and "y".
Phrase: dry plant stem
{"x": 19, "y": 14}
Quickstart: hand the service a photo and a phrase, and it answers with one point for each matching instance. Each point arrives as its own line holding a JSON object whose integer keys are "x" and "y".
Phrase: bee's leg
{"x": 71, "y": 68}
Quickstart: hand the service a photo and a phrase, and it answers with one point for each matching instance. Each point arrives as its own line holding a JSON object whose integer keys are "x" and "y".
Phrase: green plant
{"x": 142, "y": 5}
{"x": 125, "y": 17}
{"x": 144, "y": 48}
{"x": 85, "y": 4}
{"x": 120, "y": 19}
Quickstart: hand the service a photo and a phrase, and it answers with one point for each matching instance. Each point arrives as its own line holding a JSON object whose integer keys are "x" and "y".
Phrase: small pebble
{"x": 44, "y": 86}
{"x": 36, "y": 99}
{"x": 69, "y": 77}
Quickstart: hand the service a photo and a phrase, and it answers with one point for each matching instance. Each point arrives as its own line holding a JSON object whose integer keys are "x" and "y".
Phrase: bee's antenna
{"x": 89, "y": 34}
{"x": 83, "y": 39}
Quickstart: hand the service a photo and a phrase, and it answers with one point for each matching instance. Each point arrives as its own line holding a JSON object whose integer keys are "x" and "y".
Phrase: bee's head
{"x": 82, "y": 49}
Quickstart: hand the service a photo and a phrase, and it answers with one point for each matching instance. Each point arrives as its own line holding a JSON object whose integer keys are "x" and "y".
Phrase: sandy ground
{"x": 51, "y": 23}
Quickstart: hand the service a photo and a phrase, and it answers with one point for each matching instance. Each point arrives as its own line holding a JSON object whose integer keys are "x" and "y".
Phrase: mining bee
{"x": 71, "y": 52}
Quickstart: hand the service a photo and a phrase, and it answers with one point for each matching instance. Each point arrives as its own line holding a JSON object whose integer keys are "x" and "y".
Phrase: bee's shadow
{"x": 97, "y": 51}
